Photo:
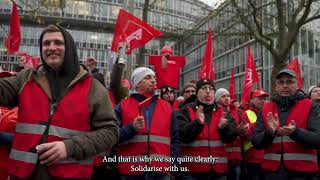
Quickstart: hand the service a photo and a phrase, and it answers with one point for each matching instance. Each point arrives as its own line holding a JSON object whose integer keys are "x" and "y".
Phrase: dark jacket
{"x": 6, "y": 138}
{"x": 310, "y": 137}
{"x": 127, "y": 132}
{"x": 119, "y": 91}
{"x": 98, "y": 76}
{"x": 190, "y": 130}
{"x": 189, "y": 100}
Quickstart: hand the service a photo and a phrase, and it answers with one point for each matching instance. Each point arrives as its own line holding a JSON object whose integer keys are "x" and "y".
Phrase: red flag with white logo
{"x": 232, "y": 88}
{"x": 251, "y": 77}
{"x": 29, "y": 61}
{"x": 133, "y": 31}
{"x": 294, "y": 65}
{"x": 207, "y": 67}
{"x": 170, "y": 74}
{"x": 12, "y": 42}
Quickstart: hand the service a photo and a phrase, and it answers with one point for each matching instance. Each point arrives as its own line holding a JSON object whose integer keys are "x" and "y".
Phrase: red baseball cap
{"x": 259, "y": 93}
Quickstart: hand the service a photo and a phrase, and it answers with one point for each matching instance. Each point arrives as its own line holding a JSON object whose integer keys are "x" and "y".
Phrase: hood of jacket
{"x": 59, "y": 80}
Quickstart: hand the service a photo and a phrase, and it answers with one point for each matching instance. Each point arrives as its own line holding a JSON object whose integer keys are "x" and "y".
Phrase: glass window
{"x": 114, "y": 11}
{"x": 317, "y": 50}
{"x": 310, "y": 44}
{"x": 304, "y": 41}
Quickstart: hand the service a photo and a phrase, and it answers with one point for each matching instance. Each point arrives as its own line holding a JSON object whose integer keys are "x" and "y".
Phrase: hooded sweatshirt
{"x": 59, "y": 80}
{"x": 104, "y": 126}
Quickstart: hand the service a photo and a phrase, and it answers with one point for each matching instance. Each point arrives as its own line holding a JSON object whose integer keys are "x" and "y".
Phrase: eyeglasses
{"x": 316, "y": 91}
{"x": 207, "y": 87}
{"x": 288, "y": 82}
{"x": 190, "y": 91}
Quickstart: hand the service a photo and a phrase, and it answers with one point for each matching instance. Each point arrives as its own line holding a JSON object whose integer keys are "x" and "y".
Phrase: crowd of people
{"x": 60, "y": 121}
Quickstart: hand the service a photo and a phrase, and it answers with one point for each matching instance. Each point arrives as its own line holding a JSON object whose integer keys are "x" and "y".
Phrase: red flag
{"x": 12, "y": 43}
{"x": 170, "y": 74}
{"x": 294, "y": 65}
{"x": 132, "y": 30}
{"x": 29, "y": 61}
{"x": 251, "y": 77}
{"x": 207, "y": 67}
{"x": 232, "y": 87}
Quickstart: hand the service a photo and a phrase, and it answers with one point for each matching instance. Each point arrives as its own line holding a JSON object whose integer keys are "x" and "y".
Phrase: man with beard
{"x": 148, "y": 130}
{"x": 69, "y": 120}
{"x": 288, "y": 128}
{"x": 204, "y": 130}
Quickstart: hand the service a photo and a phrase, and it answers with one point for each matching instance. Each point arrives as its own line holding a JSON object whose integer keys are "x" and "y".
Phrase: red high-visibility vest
{"x": 253, "y": 155}
{"x": 234, "y": 148}
{"x": 71, "y": 117}
{"x": 176, "y": 104}
{"x": 206, "y": 147}
{"x": 8, "y": 120}
{"x": 296, "y": 157}
{"x": 153, "y": 144}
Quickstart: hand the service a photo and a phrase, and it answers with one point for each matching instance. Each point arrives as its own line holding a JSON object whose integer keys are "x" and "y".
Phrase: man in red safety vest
{"x": 288, "y": 128}
{"x": 65, "y": 116}
{"x": 148, "y": 131}
{"x": 204, "y": 130}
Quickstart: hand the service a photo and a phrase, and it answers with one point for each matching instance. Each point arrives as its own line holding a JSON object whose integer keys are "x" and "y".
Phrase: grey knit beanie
{"x": 220, "y": 92}
{"x": 140, "y": 73}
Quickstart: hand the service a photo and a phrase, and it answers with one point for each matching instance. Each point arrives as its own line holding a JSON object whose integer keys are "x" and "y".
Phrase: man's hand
{"x": 22, "y": 61}
{"x": 243, "y": 128}
{"x": 223, "y": 121}
{"x": 273, "y": 122}
{"x": 200, "y": 115}
{"x": 287, "y": 130}
{"x": 50, "y": 153}
{"x": 138, "y": 123}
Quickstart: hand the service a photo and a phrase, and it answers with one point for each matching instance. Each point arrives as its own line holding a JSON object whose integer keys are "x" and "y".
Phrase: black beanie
{"x": 203, "y": 82}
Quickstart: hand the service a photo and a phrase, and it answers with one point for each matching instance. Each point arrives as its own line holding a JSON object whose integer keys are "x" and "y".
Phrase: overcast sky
{"x": 211, "y": 2}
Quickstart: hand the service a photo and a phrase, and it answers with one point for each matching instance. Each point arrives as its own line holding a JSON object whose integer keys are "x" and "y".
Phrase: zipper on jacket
{"x": 52, "y": 109}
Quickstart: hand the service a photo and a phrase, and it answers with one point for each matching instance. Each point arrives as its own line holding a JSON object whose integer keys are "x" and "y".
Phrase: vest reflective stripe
{"x": 27, "y": 157}
{"x": 233, "y": 149}
{"x": 82, "y": 162}
{"x": 216, "y": 159}
{"x": 39, "y": 129}
{"x": 30, "y": 128}
{"x": 251, "y": 116}
{"x": 272, "y": 156}
{"x": 32, "y": 158}
{"x": 198, "y": 143}
{"x": 298, "y": 156}
{"x": 280, "y": 139}
{"x": 144, "y": 138}
{"x": 291, "y": 156}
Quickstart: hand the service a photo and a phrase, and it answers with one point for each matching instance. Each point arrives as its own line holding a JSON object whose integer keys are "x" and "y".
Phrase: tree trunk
{"x": 278, "y": 64}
